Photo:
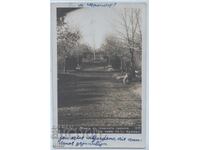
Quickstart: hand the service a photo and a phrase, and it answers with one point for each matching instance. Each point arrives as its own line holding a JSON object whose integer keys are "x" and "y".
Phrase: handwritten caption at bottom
{"x": 92, "y": 140}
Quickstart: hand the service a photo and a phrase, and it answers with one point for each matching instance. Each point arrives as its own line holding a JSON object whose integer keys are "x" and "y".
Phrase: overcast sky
{"x": 94, "y": 24}
{"x": 97, "y": 23}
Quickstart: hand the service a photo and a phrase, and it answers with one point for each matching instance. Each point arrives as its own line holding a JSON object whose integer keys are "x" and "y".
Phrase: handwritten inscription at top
{"x": 93, "y": 5}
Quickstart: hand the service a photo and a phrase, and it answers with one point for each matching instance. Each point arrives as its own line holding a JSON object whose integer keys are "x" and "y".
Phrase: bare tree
{"x": 130, "y": 33}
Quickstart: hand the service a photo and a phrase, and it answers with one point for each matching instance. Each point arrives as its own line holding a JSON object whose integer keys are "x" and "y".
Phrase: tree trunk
{"x": 108, "y": 60}
{"x": 64, "y": 65}
{"x": 132, "y": 63}
{"x": 121, "y": 63}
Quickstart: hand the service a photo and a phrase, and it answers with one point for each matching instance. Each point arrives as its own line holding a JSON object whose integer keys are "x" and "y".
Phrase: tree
{"x": 114, "y": 48}
{"x": 131, "y": 33}
{"x": 67, "y": 39}
{"x": 81, "y": 51}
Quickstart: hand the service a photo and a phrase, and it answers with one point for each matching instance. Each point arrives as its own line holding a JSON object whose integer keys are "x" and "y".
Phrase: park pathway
{"x": 91, "y": 97}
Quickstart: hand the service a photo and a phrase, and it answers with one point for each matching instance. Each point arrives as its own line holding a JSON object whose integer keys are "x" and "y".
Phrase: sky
{"x": 94, "y": 24}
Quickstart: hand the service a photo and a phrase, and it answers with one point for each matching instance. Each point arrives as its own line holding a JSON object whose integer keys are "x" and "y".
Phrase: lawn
{"x": 94, "y": 98}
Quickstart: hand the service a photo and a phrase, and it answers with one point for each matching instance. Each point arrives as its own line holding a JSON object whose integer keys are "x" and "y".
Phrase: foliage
{"x": 67, "y": 40}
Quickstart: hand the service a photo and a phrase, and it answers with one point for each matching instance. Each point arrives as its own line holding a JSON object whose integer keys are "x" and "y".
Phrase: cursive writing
{"x": 101, "y": 4}
{"x": 92, "y": 140}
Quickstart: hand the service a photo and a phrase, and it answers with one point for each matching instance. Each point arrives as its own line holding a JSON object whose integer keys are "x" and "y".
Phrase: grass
{"x": 92, "y": 98}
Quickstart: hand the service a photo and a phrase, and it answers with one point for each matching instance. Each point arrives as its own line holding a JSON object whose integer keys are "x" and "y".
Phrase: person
{"x": 125, "y": 79}
{"x": 78, "y": 67}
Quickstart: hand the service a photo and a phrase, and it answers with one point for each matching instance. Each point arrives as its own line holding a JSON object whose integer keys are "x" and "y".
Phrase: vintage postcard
{"x": 99, "y": 75}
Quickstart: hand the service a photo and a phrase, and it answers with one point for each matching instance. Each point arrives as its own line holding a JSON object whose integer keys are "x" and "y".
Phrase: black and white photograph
{"x": 99, "y": 74}
{"x": 99, "y": 69}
